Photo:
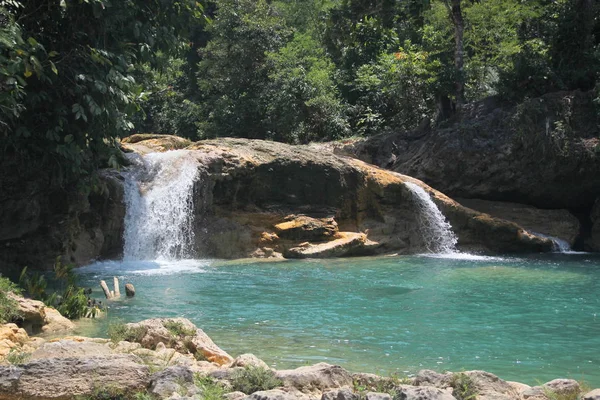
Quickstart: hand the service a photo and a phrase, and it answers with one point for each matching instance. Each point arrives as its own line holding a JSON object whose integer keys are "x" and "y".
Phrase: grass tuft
{"x": 210, "y": 388}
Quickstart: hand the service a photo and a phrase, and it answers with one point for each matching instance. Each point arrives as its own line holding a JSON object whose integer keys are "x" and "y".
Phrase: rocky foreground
{"x": 173, "y": 359}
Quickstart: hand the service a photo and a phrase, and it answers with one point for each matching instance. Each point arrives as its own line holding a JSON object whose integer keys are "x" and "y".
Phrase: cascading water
{"x": 558, "y": 245}
{"x": 436, "y": 231}
{"x": 159, "y": 206}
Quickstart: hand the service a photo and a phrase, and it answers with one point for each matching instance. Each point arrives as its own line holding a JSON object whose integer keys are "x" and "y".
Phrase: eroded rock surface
{"x": 180, "y": 334}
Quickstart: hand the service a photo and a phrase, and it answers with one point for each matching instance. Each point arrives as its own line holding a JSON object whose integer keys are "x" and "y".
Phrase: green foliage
{"x": 17, "y": 357}
{"x": 398, "y": 90}
{"x": 70, "y": 300}
{"x": 253, "y": 379}
{"x": 9, "y": 309}
{"x": 119, "y": 331}
{"x": 210, "y": 389}
{"x": 303, "y": 101}
{"x": 68, "y": 89}
{"x": 464, "y": 388}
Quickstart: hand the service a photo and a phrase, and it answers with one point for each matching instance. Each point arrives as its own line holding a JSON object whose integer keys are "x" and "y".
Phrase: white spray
{"x": 436, "y": 231}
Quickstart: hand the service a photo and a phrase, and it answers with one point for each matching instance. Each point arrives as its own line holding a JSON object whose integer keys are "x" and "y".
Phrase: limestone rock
{"x": 234, "y": 396}
{"x": 407, "y": 392}
{"x": 172, "y": 380}
{"x": 377, "y": 396}
{"x": 427, "y": 377}
{"x": 557, "y": 223}
{"x": 150, "y": 143}
{"x": 277, "y": 394}
{"x": 65, "y": 378}
{"x": 519, "y": 387}
{"x": 11, "y": 337}
{"x": 563, "y": 386}
{"x": 55, "y": 322}
{"x": 248, "y": 360}
{"x": 345, "y": 244}
{"x": 592, "y": 395}
{"x": 489, "y": 386}
{"x": 344, "y": 393}
{"x": 191, "y": 339}
{"x": 319, "y": 376}
{"x": 33, "y": 313}
{"x": 303, "y": 228}
{"x": 66, "y": 348}
{"x": 129, "y": 290}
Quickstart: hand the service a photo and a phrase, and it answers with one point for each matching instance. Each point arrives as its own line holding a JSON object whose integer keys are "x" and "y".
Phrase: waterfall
{"x": 558, "y": 245}
{"x": 160, "y": 206}
{"x": 436, "y": 231}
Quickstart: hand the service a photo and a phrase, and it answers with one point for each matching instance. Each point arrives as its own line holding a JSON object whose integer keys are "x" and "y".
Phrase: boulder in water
{"x": 129, "y": 290}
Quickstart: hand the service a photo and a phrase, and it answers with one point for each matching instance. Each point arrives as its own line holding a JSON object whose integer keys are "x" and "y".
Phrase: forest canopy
{"x": 75, "y": 75}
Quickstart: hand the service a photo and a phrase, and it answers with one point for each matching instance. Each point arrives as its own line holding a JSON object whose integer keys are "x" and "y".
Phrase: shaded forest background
{"x": 76, "y": 75}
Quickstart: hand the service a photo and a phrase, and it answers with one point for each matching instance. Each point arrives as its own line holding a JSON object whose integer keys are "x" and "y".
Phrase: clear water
{"x": 525, "y": 319}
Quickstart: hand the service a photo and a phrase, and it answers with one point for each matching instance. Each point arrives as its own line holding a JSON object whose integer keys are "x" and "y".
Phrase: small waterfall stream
{"x": 160, "y": 206}
{"x": 435, "y": 229}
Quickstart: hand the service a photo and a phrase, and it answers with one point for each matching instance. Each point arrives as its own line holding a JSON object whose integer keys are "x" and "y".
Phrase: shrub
{"x": 210, "y": 389}
{"x": 253, "y": 379}
{"x": 464, "y": 388}
{"x": 9, "y": 309}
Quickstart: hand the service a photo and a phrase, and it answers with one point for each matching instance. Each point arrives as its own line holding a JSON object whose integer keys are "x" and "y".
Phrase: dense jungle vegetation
{"x": 75, "y": 75}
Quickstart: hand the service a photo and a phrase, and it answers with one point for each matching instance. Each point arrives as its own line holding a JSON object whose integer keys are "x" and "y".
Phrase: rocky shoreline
{"x": 170, "y": 358}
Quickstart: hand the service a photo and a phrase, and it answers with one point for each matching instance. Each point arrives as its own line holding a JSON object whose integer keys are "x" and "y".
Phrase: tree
{"x": 456, "y": 16}
{"x": 70, "y": 81}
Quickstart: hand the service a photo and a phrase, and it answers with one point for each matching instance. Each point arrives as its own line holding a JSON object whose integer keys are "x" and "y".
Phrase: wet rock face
{"x": 39, "y": 222}
{"x": 267, "y": 199}
{"x": 542, "y": 152}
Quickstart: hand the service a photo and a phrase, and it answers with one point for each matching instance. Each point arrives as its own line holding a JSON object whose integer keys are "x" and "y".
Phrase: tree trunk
{"x": 456, "y": 16}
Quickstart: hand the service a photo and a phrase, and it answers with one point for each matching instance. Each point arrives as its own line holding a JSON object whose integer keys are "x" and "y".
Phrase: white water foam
{"x": 159, "y": 267}
{"x": 436, "y": 231}
{"x": 465, "y": 256}
{"x": 159, "y": 207}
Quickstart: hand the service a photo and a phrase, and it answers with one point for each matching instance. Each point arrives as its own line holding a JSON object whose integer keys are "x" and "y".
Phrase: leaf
{"x": 52, "y": 54}
{"x": 32, "y": 41}
{"x": 28, "y": 73}
{"x": 68, "y": 138}
{"x": 53, "y": 68}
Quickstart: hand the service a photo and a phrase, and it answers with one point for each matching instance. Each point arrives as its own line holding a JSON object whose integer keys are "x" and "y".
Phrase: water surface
{"x": 526, "y": 319}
